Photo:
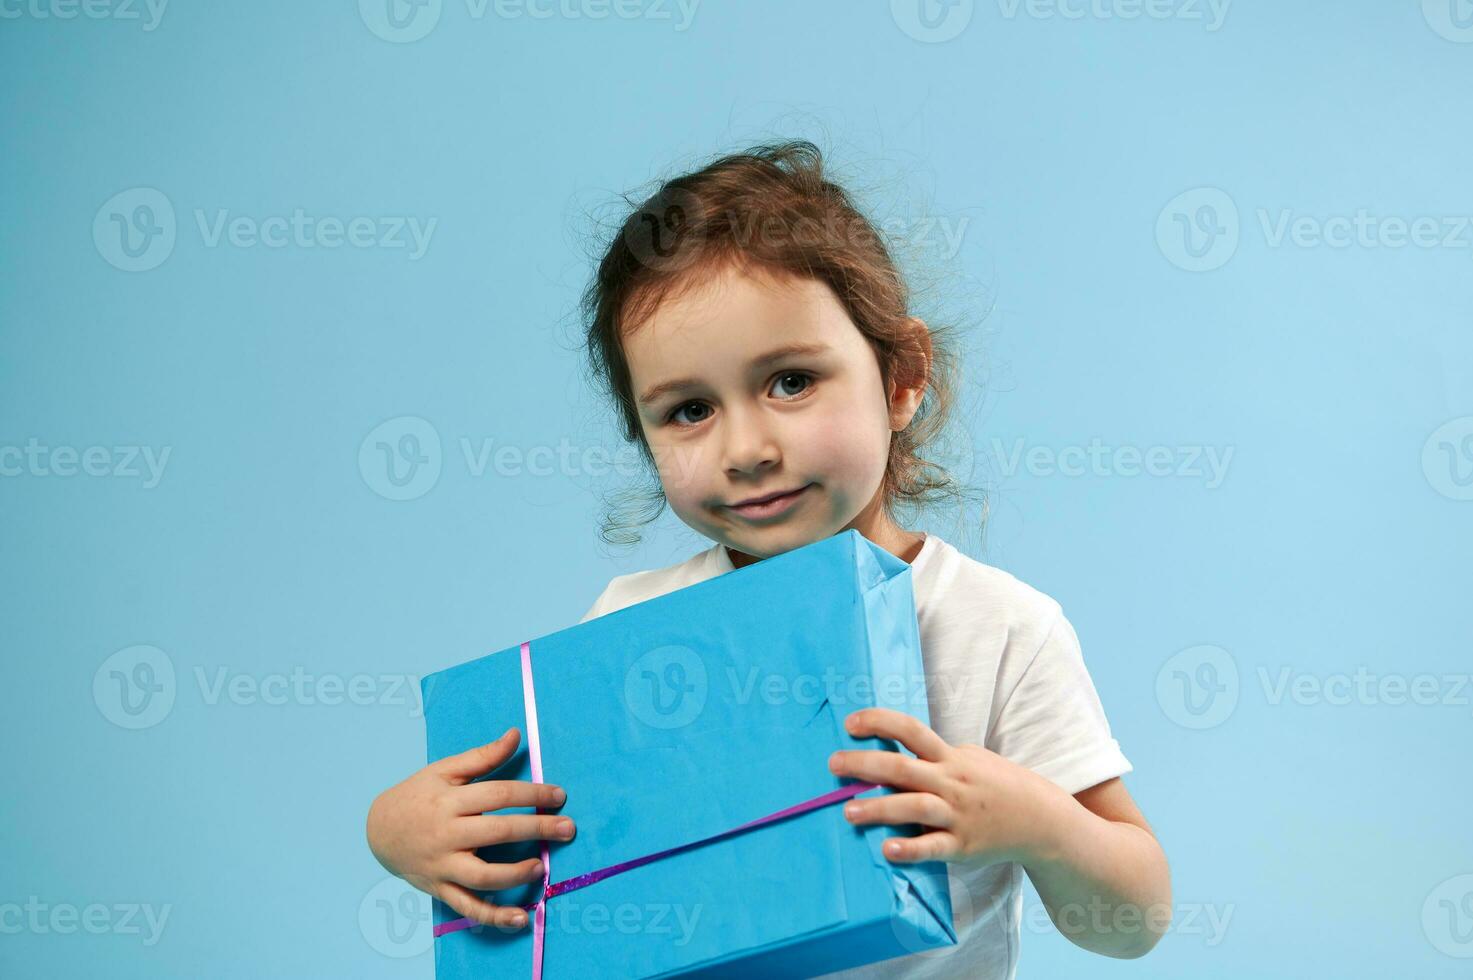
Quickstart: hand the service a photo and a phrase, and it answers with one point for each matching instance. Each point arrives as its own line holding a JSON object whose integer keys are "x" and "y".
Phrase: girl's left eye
{"x": 794, "y": 374}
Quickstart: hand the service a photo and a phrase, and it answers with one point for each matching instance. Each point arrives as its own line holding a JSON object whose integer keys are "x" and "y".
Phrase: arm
{"x": 1094, "y": 861}
{"x": 1101, "y": 873}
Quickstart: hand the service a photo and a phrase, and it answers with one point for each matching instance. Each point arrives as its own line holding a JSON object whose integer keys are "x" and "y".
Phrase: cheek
{"x": 849, "y": 447}
{"x": 684, "y": 471}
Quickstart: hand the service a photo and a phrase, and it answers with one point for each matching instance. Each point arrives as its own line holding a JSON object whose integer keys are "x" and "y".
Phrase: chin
{"x": 776, "y": 540}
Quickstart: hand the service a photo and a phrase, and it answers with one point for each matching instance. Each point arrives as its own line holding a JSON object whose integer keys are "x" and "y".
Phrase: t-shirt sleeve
{"x": 1053, "y": 723}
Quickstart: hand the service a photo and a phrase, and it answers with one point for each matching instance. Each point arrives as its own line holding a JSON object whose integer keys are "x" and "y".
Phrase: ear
{"x": 911, "y": 372}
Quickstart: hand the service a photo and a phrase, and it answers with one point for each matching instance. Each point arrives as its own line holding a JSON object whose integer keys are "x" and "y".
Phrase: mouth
{"x": 770, "y": 505}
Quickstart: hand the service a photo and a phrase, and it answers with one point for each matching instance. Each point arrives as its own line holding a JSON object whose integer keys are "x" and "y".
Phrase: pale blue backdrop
{"x": 1214, "y": 267}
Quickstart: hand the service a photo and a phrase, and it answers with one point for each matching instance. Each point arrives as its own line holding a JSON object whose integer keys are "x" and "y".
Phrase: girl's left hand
{"x": 973, "y": 803}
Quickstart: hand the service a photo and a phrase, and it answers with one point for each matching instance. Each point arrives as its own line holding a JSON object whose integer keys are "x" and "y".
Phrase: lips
{"x": 769, "y": 505}
{"x": 765, "y": 498}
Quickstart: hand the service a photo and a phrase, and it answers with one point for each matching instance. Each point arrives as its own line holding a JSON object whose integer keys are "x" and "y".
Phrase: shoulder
{"x": 956, "y": 590}
{"x": 636, "y": 587}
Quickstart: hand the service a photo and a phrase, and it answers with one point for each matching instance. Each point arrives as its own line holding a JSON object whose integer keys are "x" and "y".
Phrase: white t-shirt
{"x": 1004, "y": 671}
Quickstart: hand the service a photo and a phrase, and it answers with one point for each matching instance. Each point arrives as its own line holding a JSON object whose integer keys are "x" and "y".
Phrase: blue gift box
{"x": 684, "y": 717}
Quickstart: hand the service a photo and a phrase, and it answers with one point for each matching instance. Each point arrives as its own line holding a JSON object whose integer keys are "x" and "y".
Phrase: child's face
{"x": 746, "y": 426}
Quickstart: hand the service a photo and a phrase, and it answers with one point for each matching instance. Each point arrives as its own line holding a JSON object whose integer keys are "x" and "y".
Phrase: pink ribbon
{"x": 538, "y": 908}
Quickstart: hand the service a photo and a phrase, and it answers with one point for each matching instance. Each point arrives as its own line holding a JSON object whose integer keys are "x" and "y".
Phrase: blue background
{"x": 1330, "y": 837}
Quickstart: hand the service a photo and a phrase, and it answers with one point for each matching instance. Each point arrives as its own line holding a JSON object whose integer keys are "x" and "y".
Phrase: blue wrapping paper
{"x": 687, "y": 715}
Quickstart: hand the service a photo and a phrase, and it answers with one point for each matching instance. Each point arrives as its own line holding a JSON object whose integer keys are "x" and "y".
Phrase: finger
{"x": 472, "y": 907}
{"x": 905, "y": 729}
{"x": 488, "y": 876}
{"x": 889, "y": 769}
{"x": 939, "y": 845}
{"x": 495, "y": 794}
{"x": 492, "y": 829}
{"x": 481, "y": 759}
{"x": 926, "y": 809}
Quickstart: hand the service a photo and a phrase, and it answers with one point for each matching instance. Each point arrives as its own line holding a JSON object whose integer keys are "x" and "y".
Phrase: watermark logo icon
{"x": 1198, "y": 229}
{"x": 135, "y": 688}
{"x": 134, "y": 230}
{"x": 1198, "y": 687}
{"x": 666, "y": 687}
{"x": 932, "y": 21}
{"x": 1447, "y": 459}
{"x": 400, "y": 21}
{"x": 394, "y": 917}
{"x": 1447, "y": 917}
{"x": 400, "y": 459}
{"x": 1451, "y": 19}
{"x": 665, "y": 233}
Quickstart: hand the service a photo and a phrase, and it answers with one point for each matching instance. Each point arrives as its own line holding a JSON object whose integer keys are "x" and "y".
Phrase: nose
{"x": 749, "y": 445}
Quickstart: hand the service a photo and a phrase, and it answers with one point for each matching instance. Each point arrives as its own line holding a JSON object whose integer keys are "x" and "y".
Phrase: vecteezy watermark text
{"x": 1211, "y": 13}
{"x": 120, "y": 462}
{"x": 402, "y": 458}
{"x": 669, "y": 687}
{"x": 97, "y": 918}
{"x": 148, "y": 12}
{"x": 135, "y": 230}
{"x": 1200, "y": 229}
{"x": 394, "y": 919}
{"x": 1196, "y": 462}
{"x": 303, "y": 230}
{"x": 936, "y": 21}
{"x": 1200, "y": 687}
{"x": 405, "y": 21}
{"x": 137, "y": 686}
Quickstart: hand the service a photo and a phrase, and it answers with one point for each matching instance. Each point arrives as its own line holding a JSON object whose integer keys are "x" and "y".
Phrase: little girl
{"x": 753, "y": 332}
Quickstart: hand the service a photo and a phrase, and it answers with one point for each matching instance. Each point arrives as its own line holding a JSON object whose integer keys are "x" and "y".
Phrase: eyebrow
{"x": 776, "y": 354}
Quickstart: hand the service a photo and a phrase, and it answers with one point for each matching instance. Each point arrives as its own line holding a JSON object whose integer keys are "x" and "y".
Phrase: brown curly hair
{"x": 771, "y": 206}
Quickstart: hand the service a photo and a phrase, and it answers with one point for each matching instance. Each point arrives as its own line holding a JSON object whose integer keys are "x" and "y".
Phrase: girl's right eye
{"x": 679, "y": 408}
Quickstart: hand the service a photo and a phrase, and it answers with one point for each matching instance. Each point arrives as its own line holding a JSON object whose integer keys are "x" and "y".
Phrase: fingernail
{"x": 835, "y": 763}
{"x": 852, "y": 810}
{"x": 560, "y": 796}
{"x": 519, "y": 920}
{"x": 565, "y": 828}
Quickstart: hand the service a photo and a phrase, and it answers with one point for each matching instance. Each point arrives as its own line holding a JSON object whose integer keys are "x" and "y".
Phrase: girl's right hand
{"x": 427, "y": 828}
